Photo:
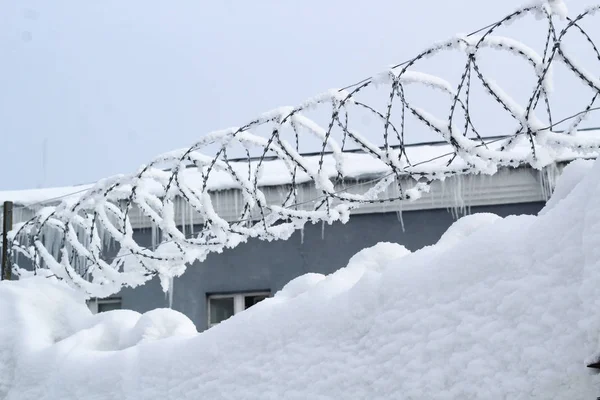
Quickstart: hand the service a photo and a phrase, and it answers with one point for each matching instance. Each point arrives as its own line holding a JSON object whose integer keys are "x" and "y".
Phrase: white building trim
{"x": 507, "y": 186}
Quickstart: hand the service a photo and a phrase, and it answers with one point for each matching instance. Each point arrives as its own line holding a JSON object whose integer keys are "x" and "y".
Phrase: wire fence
{"x": 68, "y": 240}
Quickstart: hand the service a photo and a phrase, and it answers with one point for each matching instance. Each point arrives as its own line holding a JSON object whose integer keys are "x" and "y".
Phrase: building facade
{"x": 227, "y": 283}
{"x": 260, "y": 268}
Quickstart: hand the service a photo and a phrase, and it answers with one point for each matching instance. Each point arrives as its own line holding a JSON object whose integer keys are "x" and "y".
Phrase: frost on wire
{"x": 90, "y": 243}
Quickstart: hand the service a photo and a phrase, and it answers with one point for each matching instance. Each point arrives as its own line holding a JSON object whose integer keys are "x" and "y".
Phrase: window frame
{"x": 239, "y": 304}
{"x": 93, "y": 303}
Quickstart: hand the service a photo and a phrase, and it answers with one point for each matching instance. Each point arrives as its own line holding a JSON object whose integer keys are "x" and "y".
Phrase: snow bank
{"x": 34, "y": 314}
{"x": 43, "y": 321}
{"x": 499, "y": 308}
{"x": 570, "y": 177}
{"x": 465, "y": 227}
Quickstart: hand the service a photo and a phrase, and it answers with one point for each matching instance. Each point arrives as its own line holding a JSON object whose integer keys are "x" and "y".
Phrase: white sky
{"x": 108, "y": 84}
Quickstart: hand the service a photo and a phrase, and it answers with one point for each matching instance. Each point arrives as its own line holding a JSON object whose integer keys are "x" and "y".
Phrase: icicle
{"x": 154, "y": 236}
{"x": 182, "y": 206}
{"x": 443, "y": 191}
{"x": 17, "y": 215}
{"x": 400, "y": 216}
{"x": 323, "y": 230}
{"x": 236, "y": 206}
{"x": 170, "y": 291}
{"x": 543, "y": 179}
{"x": 458, "y": 204}
{"x": 548, "y": 176}
{"x": 468, "y": 201}
{"x": 396, "y": 194}
{"x": 105, "y": 239}
{"x": 302, "y": 235}
{"x": 191, "y": 219}
{"x": 452, "y": 197}
{"x": 461, "y": 195}
{"x": 140, "y": 213}
{"x": 54, "y": 241}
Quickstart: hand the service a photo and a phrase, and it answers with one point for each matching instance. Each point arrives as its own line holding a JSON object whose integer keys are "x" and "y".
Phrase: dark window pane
{"x": 109, "y": 306}
{"x": 249, "y": 301}
{"x": 220, "y": 309}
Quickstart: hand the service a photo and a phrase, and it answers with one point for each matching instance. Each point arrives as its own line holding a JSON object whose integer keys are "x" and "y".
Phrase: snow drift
{"x": 499, "y": 308}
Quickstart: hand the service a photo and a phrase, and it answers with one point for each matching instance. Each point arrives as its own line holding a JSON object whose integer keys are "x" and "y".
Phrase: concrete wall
{"x": 259, "y": 265}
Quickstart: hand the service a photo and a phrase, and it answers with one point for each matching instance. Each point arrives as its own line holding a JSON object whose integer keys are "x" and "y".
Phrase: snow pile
{"x": 34, "y": 314}
{"x": 465, "y": 227}
{"x": 499, "y": 308}
{"x": 43, "y": 321}
{"x": 571, "y": 177}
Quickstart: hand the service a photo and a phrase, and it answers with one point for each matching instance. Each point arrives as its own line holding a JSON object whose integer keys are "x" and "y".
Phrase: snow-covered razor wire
{"x": 94, "y": 244}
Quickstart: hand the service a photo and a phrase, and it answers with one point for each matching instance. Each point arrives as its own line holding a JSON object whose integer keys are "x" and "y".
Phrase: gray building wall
{"x": 259, "y": 265}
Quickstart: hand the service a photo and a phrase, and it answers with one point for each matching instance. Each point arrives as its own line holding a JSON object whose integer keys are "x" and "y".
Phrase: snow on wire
{"x": 83, "y": 259}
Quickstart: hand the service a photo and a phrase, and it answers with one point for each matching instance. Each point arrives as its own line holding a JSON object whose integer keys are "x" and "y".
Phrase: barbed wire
{"x": 398, "y": 65}
{"x": 375, "y": 180}
{"x": 69, "y": 240}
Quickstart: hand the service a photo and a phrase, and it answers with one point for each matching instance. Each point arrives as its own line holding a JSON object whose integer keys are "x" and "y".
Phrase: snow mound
{"x": 500, "y": 308}
{"x": 377, "y": 257}
{"x": 43, "y": 320}
{"x": 108, "y": 331}
{"x": 299, "y": 285}
{"x": 465, "y": 227}
{"x": 158, "y": 324}
{"x": 571, "y": 175}
{"x": 35, "y": 314}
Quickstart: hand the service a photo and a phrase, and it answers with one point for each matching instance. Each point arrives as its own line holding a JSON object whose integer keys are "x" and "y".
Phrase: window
{"x": 223, "y": 306}
{"x": 103, "y": 305}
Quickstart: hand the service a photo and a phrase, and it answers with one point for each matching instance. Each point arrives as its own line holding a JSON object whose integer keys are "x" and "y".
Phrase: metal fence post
{"x": 6, "y": 227}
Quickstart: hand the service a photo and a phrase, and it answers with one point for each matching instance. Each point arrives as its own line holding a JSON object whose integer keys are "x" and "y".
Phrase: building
{"x": 230, "y": 282}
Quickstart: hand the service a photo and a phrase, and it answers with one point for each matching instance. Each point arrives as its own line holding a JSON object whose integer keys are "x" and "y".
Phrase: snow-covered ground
{"x": 497, "y": 309}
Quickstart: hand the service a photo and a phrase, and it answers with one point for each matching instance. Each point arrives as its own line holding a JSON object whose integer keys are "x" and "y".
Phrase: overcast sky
{"x": 105, "y": 85}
